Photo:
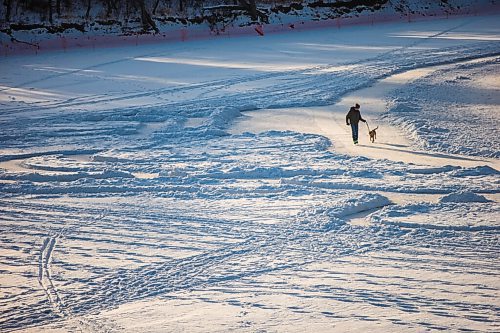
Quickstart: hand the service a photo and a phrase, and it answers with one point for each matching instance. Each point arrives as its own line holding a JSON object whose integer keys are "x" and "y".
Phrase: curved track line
{"x": 44, "y": 275}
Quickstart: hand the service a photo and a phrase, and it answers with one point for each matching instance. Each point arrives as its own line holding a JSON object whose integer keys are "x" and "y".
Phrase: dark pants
{"x": 355, "y": 130}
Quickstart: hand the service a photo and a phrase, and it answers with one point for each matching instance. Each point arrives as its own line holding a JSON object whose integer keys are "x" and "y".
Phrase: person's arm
{"x": 361, "y": 119}
{"x": 348, "y": 117}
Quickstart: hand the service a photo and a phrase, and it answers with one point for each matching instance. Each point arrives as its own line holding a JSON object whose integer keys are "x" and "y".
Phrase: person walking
{"x": 353, "y": 118}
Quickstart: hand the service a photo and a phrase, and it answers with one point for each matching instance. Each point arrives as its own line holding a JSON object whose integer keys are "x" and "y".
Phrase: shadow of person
{"x": 407, "y": 150}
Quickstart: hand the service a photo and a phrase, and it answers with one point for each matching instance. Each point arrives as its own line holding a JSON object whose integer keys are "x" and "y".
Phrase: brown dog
{"x": 373, "y": 134}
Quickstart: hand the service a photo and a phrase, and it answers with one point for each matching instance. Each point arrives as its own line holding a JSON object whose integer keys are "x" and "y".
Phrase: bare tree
{"x": 8, "y": 4}
{"x": 147, "y": 21}
{"x": 251, "y": 7}
{"x": 50, "y": 11}
{"x": 89, "y": 5}
{"x": 157, "y": 2}
{"x": 110, "y": 5}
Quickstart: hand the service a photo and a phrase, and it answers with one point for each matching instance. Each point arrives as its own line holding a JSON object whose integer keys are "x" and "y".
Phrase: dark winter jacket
{"x": 353, "y": 116}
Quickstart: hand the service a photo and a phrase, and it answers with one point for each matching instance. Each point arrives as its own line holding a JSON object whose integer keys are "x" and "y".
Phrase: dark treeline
{"x": 48, "y": 11}
{"x": 57, "y": 15}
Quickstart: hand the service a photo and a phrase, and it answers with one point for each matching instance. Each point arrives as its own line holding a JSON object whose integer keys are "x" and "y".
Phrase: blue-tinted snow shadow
{"x": 406, "y": 149}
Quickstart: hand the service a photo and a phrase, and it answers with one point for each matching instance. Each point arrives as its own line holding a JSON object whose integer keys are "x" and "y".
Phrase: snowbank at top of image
{"x": 34, "y": 31}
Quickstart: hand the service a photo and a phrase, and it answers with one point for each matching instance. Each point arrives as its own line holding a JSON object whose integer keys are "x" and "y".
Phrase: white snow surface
{"x": 212, "y": 185}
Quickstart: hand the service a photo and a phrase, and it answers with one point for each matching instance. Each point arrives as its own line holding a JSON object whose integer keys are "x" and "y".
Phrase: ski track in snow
{"x": 113, "y": 206}
{"x": 44, "y": 273}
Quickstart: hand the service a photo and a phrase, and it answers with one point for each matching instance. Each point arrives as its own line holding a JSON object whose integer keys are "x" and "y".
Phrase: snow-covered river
{"x": 200, "y": 187}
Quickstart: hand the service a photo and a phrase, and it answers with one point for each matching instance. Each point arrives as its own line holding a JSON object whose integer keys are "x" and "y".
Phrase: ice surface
{"x": 211, "y": 186}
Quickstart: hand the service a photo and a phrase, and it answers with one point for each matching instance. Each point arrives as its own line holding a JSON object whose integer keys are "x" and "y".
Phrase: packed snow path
{"x": 329, "y": 121}
{"x": 131, "y": 201}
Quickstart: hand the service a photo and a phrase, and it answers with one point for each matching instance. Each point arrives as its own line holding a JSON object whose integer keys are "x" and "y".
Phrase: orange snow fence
{"x": 259, "y": 30}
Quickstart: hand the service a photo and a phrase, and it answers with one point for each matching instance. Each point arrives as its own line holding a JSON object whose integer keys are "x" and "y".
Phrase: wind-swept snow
{"x": 453, "y": 110}
{"x": 212, "y": 186}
